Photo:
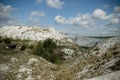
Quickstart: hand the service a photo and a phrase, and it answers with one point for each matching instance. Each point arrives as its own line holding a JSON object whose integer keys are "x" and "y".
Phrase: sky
{"x": 80, "y": 17}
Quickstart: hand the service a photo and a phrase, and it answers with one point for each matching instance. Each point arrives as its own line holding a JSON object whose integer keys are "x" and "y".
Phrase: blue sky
{"x": 81, "y": 17}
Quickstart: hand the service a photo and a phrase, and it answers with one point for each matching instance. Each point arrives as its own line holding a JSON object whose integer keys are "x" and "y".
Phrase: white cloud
{"x": 37, "y": 13}
{"x": 114, "y": 21}
{"x": 5, "y": 12}
{"x": 55, "y": 3}
{"x": 15, "y": 22}
{"x": 114, "y": 18}
{"x": 6, "y": 17}
{"x": 34, "y": 17}
{"x": 104, "y": 33}
{"x": 34, "y": 20}
{"x": 84, "y": 20}
{"x": 117, "y": 9}
{"x": 114, "y": 29}
{"x": 52, "y": 3}
{"x": 59, "y": 19}
{"x": 100, "y": 14}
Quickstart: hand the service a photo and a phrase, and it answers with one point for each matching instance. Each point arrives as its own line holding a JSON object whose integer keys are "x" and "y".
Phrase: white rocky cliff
{"x": 30, "y": 33}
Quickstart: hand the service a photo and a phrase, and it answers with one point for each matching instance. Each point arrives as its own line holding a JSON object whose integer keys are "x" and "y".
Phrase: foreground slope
{"x": 112, "y": 76}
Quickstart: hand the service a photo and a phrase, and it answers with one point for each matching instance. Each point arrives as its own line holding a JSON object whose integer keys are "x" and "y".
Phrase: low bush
{"x": 7, "y": 40}
{"x": 49, "y": 43}
{"x": 31, "y": 46}
{"x": 23, "y": 47}
{"x": 46, "y": 50}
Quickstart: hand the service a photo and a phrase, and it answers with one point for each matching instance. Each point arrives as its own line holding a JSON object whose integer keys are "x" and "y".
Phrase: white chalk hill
{"x": 30, "y": 33}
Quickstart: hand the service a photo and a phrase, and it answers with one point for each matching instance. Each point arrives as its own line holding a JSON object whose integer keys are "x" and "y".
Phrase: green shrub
{"x": 38, "y": 49}
{"x": 46, "y": 50}
{"x": 49, "y": 43}
{"x": 7, "y": 40}
{"x": 23, "y": 47}
{"x": 31, "y": 46}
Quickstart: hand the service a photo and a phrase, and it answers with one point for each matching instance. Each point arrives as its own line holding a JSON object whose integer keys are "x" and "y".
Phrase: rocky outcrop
{"x": 30, "y": 33}
{"x": 112, "y": 76}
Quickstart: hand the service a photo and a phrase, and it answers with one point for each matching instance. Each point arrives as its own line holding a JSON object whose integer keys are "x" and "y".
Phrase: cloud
{"x": 37, "y": 13}
{"x": 117, "y": 9}
{"x": 16, "y": 22}
{"x": 34, "y": 20}
{"x": 34, "y": 17}
{"x": 60, "y": 20}
{"x": 84, "y": 20}
{"x": 114, "y": 18}
{"x": 104, "y": 33}
{"x": 114, "y": 21}
{"x": 54, "y": 3}
{"x": 97, "y": 17}
{"x": 114, "y": 29}
{"x": 5, "y": 13}
{"x": 100, "y": 14}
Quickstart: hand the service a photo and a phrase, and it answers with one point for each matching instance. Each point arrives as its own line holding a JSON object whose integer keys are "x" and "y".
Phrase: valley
{"x": 33, "y": 53}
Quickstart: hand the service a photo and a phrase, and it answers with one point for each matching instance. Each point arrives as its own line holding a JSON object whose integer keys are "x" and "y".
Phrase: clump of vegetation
{"x": 49, "y": 43}
{"x": 46, "y": 49}
{"x": 23, "y": 47}
{"x": 7, "y": 40}
{"x": 31, "y": 46}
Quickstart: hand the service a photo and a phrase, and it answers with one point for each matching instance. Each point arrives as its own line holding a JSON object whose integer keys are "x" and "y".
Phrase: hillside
{"x": 106, "y": 45}
{"x": 104, "y": 58}
{"x": 112, "y": 76}
{"x": 30, "y": 33}
{"x": 27, "y": 54}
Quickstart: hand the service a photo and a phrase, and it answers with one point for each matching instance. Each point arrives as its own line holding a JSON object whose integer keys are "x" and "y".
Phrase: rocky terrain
{"x": 18, "y": 61}
{"x": 30, "y": 33}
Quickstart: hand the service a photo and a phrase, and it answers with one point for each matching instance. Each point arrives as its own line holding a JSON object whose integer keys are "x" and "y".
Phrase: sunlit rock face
{"x": 30, "y": 33}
